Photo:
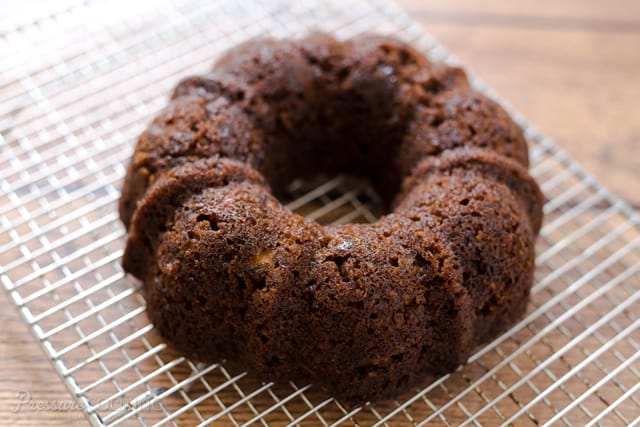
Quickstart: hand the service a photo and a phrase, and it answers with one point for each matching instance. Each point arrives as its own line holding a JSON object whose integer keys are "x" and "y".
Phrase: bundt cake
{"x": 365, "y": 310}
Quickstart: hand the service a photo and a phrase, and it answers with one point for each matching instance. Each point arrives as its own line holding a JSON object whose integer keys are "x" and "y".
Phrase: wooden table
{"x": 571, "y": 67}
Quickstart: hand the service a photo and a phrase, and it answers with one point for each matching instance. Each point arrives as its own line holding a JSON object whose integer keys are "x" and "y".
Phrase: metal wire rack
{"x": 80, "y": 83}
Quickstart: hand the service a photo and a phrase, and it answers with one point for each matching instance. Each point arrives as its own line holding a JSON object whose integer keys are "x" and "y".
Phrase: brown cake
{"x": 364, "y": 309}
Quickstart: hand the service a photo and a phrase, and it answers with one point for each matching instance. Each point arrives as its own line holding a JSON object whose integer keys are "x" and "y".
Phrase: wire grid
{"x": 82, "y": 82}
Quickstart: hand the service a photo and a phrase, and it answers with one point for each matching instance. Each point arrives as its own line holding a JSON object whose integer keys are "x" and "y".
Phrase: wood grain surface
{"x": 571, "y": 67}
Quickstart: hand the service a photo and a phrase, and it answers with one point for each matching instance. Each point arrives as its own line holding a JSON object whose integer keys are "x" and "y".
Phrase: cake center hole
{"x": 339, "y": 199}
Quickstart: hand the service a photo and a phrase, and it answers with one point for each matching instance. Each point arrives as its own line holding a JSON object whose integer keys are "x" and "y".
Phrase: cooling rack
{"x": 80, "y": 83}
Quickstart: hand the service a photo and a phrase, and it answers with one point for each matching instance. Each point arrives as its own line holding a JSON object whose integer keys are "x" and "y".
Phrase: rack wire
{"x": 81, "y": 82}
